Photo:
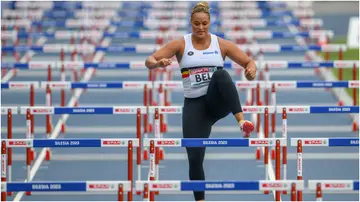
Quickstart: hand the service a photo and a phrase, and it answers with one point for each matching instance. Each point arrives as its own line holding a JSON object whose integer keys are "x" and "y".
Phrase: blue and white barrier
{"x": 131, "y": 85}
{"x": 334, "y": 185}
{"x": 148, "y": 49}
{"x": 155, "y": 24}
{"x": 43, "y": 110}
{"x": 326, "y": 142}
{"x": 141, "y": 65}
{"x": 223, "y": 14}
{"x": 214, "y": 142}
{"x": 153, "y": 5}
{"x": 68, "y": 186}
{"x": 149, "y": 34}
{"x": 260, "y": 185}
{"x": 82, "y": 142}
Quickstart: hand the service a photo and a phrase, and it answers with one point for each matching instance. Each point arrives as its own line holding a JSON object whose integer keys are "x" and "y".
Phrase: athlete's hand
{"x": 250, "y": 72}
{"x": 163, "y": 62}
{"x": 247, "y": 127}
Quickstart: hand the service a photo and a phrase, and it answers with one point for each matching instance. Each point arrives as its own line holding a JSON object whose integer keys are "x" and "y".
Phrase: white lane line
{"x": 178, "y": 129}
{"x": 77, "y": 93}
{"x": 182, "y": 156}
{"x": 271, "y": 172}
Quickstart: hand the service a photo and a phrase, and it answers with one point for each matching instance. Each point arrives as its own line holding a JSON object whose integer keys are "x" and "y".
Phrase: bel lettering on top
{"x": 202, "y": 77}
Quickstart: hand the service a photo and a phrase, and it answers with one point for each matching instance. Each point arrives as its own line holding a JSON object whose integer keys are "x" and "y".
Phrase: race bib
{"x": 201, "y": 76}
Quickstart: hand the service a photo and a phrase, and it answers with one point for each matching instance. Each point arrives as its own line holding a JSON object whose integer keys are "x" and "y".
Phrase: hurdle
{"x": 119, "y": 187}
{"x": 146, "y": 49}
{"x": 259, "y": 186}
{"x": 338, "y": 186}
{"x": 45, "y": 143}
{"x": 9, "y": 111}
{"x": 232, "y": 14}
{"x": 68, "y": 110}
{"x": 319, "y": 142}
{"x": 178, "y": 13}
{"x": 211, "y": 142}
{"x": 149, "y": 34}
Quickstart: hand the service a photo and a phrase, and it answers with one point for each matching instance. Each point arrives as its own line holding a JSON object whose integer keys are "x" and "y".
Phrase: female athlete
{"x": 209, "y": 91}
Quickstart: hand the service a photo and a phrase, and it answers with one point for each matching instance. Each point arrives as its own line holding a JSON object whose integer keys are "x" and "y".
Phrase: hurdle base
{"x": 28, "y": 193}
{"x": 32, "y": 154}
{"x": 161, "y": 154}
{"x": 355, "y": 127}
{"x": 63, "y": 128}
{"x": 340, "y": 103}
{"x": 164, "y": 128}
{"x": 145, "y": 155}
{"x": 258, "y": 154}
{"x": 150, "y": 128}
{"x": 48, "y": 155}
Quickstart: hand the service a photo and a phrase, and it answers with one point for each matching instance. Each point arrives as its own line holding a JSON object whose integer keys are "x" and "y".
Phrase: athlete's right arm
{"x": 162, "y": 57}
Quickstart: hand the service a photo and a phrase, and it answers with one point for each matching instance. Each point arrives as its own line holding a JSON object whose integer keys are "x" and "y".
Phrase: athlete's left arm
{"x": 237, "y": 55}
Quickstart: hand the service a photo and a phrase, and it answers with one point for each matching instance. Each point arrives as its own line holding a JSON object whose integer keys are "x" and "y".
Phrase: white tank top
{"x": 197, "y": 66}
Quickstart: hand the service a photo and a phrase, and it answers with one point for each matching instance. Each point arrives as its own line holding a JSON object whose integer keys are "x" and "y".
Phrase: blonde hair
{"x": 202, "y": 6}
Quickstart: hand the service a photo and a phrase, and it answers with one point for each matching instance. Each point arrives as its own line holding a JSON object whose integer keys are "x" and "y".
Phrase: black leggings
{"x": 199, "y": 115}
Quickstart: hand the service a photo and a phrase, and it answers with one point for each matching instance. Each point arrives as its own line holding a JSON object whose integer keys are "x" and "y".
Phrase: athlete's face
{"x": 200, "y": 23}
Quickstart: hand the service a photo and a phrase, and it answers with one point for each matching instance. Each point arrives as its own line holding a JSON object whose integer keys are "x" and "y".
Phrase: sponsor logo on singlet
{"x": 210, "y": 52}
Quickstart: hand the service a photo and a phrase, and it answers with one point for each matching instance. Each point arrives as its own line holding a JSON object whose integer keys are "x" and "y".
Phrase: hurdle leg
{"x": 284, "y": 148}
{"x": 277, "y": 168}
{"x": 48, "y": 121}
{"x": 145, "y": 124}
{"x": 120, "y": 193}
{"x": 266, "y": 153}
{"x": 3, "y": 165}
{"x": 130, "y": 168}
{"x": 9, "y": 150}
{"x": 318, "y": 192}
{"x": 28, "y": 150}
{"x": 293, "y": 192}
{"x": 299, "y": 167}
{"x": 258, "y": 122}
{"x": 152, "y": 169}
{"x": 62, "y": 94}
{"x": 273, "y": 119}
{"x": 146, "y": 192}
{"x": 32, "y": 117}
{"x": 138, "y": 149}
{"x": 355, "y": 90}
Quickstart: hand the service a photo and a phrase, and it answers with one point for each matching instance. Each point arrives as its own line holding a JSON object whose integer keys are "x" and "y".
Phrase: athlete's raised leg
{"x": 222, "y": 98}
